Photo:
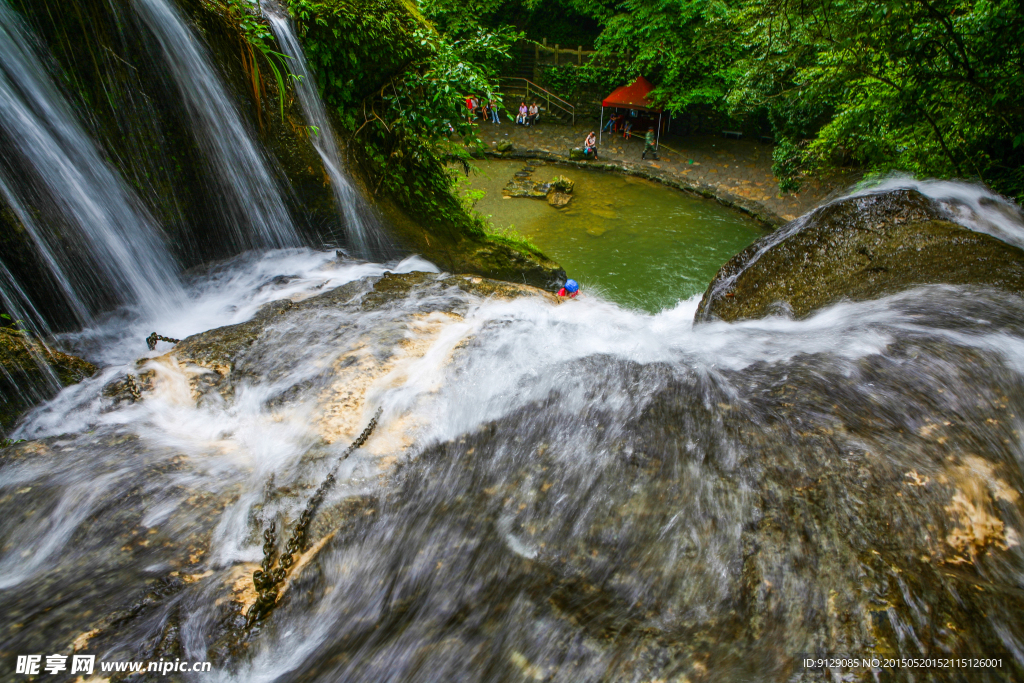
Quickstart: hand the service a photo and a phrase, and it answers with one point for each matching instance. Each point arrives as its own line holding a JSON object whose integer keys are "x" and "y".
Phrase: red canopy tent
{"x": 633, "y": 96}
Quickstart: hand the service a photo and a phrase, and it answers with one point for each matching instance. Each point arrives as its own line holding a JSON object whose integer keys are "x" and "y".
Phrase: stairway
{"x": 527, "y": 61}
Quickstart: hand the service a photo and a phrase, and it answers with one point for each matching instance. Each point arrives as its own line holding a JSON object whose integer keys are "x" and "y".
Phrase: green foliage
{"x": 400, "y": 86}
{"x": 14, "y": 325}
{"x": 259, "y": 39}
{"x": 786, "y": 164}
{"x": 509, "y": 237}
{"x": 571, "y": 80}
{"x": 931, "y": 87}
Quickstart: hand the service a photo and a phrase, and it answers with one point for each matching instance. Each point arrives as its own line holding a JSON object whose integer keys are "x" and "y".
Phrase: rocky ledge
{"x": 858, "y": 248}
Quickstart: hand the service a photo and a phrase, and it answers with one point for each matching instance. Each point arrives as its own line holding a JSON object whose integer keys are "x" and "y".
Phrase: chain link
{"x": 266, "y": 579}
{"x": 133, "y": 387}
{"x": 152, "y": 339}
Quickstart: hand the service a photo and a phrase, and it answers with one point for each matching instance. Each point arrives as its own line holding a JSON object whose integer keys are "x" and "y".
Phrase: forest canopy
{"x": 928, "y": 87}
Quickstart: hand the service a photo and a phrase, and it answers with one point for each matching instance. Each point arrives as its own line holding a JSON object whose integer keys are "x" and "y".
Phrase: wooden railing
{"x": 573, "y": 55}
{"x": 534, "y": 91}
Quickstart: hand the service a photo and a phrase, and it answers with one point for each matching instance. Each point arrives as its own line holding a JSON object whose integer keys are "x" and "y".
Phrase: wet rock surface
{"x": 635, "y": 519}
{"x": 31, "y": 372}
{"x": 859, "y": 248}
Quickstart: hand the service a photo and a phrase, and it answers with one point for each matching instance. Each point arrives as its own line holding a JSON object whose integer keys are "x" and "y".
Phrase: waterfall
{"x": 99, "y": 244}
{"x": 19, "y": 307}
{"x": 364, "y": 229}
{"x": 253, "y": 205}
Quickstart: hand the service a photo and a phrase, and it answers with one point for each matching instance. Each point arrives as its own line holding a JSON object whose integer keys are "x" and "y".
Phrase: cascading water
{"x": 252, "y": 200}
{"x": 23, "y": 317}
{"x": 571, "y": 492}
{"x": 364, "y": 229}
{"x": 107, "y": 247}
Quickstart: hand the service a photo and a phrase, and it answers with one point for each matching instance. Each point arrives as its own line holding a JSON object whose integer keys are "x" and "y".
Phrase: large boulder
{"x": 858, "y": 248}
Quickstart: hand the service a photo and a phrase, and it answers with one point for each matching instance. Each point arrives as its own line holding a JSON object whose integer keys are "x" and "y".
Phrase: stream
{"x": 597, "y": 489}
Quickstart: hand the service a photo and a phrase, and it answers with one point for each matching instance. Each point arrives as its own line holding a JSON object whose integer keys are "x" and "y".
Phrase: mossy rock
{"x": 559, "y": 199}
{"x": 505, "y": 147}
{"x": 525, "y": 188}
{"x": 858, "y": 249}
{"x": 23, "y": 383}
{"x": 562, "y": 184}
{"x": 577, "y": 154}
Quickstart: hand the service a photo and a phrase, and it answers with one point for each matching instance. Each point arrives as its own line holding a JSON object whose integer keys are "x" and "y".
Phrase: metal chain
{"x": 266, "y": 581}
{"x": 152, "y": 339}
{"x": 133, "y": 387}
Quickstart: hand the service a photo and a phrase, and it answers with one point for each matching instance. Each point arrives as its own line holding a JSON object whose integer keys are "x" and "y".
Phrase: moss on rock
{"x": 23, "y": 383}
{"x": 859, "y": 248}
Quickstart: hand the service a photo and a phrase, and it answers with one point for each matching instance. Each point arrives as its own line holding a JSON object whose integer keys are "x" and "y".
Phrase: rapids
{"x": 556, "y": 492}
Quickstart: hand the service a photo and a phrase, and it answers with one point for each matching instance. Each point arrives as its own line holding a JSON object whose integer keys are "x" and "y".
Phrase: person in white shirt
{"x": 534, "y": 114}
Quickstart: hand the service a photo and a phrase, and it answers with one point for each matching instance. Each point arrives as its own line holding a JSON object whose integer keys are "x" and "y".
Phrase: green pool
{"x": 636, "y": 242}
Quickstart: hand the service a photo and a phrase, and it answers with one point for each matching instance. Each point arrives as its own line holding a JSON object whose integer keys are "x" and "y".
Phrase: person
{"x": 590, "y": 145}
{"x": 571, "y": 289}
{"x": 649, "y": 144}
{"x": 469, "y": 109}
{"x": 626, "y": 128}
{"x": 494, "y": 113}
{"x": 534, "y": 114}
{"x": 611, "y": 123}
{"x": 522, "y": 113}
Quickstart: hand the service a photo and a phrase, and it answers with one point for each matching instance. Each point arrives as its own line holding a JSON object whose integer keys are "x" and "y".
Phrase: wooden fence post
{"x": 556, "y": 54}
{"x": 579, "y": 55}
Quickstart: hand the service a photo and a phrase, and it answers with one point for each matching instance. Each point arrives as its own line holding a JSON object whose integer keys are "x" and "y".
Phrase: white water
{"x": 363, "y": 226}
{"x": 108, "y": 243}
{"x": 970, "y": 205}
{"x": 253, "y": 204}
{"x": 588, "y": 367}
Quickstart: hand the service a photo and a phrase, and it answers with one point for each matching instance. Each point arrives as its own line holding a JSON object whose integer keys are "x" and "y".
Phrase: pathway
{"x": 738, "y": 172}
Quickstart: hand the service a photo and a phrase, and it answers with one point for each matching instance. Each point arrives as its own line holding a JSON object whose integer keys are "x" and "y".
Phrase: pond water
{"x": 633, "y": 241}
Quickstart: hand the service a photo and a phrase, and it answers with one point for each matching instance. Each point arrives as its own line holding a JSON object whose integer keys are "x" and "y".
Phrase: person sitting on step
{"x": 534, "y": 114}
{"x": 590, "y": 145}
{"x": 521, "y": 119}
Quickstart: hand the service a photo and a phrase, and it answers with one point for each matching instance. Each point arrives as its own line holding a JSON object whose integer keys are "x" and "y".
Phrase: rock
{"x": 525, "y": 188}
{"x": 562, "y": 184}
{"x": 505, "y": 147}
{"x": 577, "y": 154}
{"x": 859, "y": 248}
{"x": 23, "y": 383}
{"x": 559, "y": 199}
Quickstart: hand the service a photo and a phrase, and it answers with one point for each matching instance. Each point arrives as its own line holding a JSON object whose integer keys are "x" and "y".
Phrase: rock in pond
{"x": 559, "y": 199}
{"x": 520, "y": 187}
{"x": 858, "y": 248}
{"x": 505, "y": 147}
{"x": 562, "y": 184}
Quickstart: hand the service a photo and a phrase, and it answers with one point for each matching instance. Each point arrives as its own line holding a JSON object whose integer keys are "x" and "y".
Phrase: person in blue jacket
{"x": 571, "y": 289}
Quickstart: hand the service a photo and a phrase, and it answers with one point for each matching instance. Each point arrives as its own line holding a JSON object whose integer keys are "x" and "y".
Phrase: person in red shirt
{"x": 571, "y": 289}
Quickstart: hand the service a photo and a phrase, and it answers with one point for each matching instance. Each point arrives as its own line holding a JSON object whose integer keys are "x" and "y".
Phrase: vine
{"x": 256, "y": 38}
